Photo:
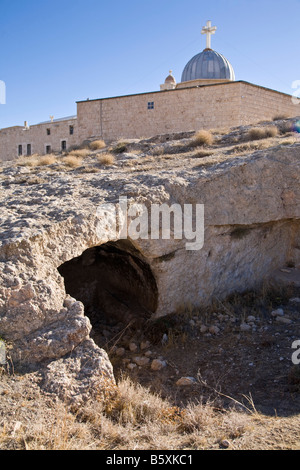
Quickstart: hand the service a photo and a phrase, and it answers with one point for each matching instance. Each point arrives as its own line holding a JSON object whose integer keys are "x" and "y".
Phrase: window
{"x": 20, "y": 150}
{"x": 151, "y": 105}
{"x": 63, "y": 144}
{"x": 71, "y": 130}
{"x": 48, "y": 149}
{"x": 28, "y": 149}
{"x": 48, "y": 131}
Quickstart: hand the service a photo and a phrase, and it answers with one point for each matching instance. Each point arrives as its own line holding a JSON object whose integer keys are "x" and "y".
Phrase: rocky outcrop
{"x": 252, "y": 227}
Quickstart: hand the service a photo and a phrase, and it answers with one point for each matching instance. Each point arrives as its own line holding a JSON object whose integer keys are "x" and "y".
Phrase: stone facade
{"x": 217, "y": 105}
{"x": 198, "y": 105}
{"x": 39, "y": 139}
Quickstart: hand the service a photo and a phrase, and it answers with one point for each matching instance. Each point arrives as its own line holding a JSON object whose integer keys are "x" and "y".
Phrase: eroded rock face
{"x": 252, "y": 226}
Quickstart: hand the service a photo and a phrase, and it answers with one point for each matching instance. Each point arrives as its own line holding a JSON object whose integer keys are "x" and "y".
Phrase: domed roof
{"x": 170, "y": 78}
{"x": 208, "y": 65}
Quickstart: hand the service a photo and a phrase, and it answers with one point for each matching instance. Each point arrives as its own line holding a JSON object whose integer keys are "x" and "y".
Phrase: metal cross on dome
{"x": 208, "y": 30}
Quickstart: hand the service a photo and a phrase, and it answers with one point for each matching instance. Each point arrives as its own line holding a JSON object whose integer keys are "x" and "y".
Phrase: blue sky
{"x": 57, "y": 52}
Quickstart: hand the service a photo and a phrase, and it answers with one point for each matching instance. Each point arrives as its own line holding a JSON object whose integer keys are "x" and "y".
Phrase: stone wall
{"x": 37, "y": 136}
{"x": 183, "y": 109}
{"x": 220, "y": 105}
{"x": 173, "y": 111}
{"x": 258, "y": 104}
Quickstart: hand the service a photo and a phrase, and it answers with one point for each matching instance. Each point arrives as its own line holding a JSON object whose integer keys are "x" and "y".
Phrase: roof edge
{"x": 229, "y": 83}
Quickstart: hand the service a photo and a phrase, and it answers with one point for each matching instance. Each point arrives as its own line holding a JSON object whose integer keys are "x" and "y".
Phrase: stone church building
{"x": 207, "y": 97}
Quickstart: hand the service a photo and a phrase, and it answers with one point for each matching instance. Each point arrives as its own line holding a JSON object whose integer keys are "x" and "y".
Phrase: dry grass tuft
{"x": 106, "y": 159}
{"x": 47, "y": 160}
{"x": 36, "y": 160}
{"x": 72, "y": 161}
{"x": 289, "y": 140}
{"x": 271, "y": 131}
{"x": 81, "y": 153}
{"x": 223, "y": 131}
{"x": 280, "y": 117}
{"x": 202, "y": 153}
{"x": 97, "y": 145}
{"x": 248, "y": 147}
{"x": 203, "y": 138}
{"x": 120, "y": 147}
{"x": 285, "y": 128}
{"x": 124, "y": 416}
{"x": 257, "y": 133}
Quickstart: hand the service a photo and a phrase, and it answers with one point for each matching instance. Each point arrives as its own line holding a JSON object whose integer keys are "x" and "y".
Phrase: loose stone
{"x": 158, "y": 364}
{"x": 186, "y": 381}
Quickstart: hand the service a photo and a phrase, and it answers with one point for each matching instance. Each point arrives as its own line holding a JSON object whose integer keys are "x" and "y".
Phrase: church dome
{"x": 208, "y": 65}
{"x": 170, "y": 82}
{"x": 170, "y": 78}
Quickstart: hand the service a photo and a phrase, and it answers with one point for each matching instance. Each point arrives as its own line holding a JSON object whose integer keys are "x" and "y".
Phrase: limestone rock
{"x": 158, "y": 364}
{"x": 285, "y": 320}
{"x": 144, "y": 345}
{"x": 133, "y": 347}
{"x": 245, "y": 327}
{"x": 79, "y": 375}
{"x": 141, "y": 360}
{"x": 186, "y": 381}
{"x": 277, "y": 313}
{"x": 252, "y": 214}
{"x": 214, "y": 330}
{"x": 120, "y": 351}
{"x": 251, "y": 319}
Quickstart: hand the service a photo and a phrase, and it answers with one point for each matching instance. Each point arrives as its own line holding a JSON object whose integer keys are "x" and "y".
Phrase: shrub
{"x": 280, "y": 117}
{"x": 271, "y": 131}
{"x": 81, "y": 153}
{"x": 106, "y": 158}
{"x": 46, "y": 160}
{"x": 30, "y": 161}
{"x": 72, "y": 161}
{"x": 97, "y": 145}
{"x": 249, "y": 146}
{"x": 203, "y": 153}
{"x": 203, "y": 138}
{"x": 257, "y": 133}
{"x": 285, "y": 127}
{"x": 120, "y": 147}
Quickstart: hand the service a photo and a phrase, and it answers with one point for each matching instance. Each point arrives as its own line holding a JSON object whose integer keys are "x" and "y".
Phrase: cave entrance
{"x": 116, "y": 286}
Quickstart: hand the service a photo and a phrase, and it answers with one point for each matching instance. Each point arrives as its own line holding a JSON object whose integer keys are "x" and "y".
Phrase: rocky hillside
{"x": 66, "y": 276}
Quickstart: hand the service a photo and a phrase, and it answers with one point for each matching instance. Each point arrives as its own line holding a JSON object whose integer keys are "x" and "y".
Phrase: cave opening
{"x": 117, "y": 287}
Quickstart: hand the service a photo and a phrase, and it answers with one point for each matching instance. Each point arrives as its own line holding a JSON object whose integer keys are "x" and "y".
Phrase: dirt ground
{"x": 245, "y": 392}
{"x": 253, "y": 368}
